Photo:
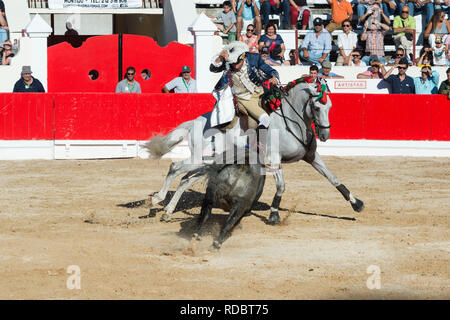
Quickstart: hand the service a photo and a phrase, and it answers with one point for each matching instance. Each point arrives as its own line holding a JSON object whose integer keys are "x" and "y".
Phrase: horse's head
{"x": 320, "y": 105}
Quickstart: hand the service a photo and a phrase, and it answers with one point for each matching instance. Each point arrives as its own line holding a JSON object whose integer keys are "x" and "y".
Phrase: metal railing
{"x": 146, "y": 4}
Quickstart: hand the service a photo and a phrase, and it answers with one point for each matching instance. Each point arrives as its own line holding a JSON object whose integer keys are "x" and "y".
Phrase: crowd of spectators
{"x": 372, "y": 22}
{"x": 364, "y": 25}
{"x": 6, "y": 52}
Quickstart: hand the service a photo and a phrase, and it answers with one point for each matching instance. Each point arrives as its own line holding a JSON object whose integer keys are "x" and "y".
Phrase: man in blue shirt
{"x": 317, "y": 45}
{"x": 400, "y": 83}
{"x": 28, "y": 83}
{"x": 428, "y": 82}
{"x": 248, "y": 12}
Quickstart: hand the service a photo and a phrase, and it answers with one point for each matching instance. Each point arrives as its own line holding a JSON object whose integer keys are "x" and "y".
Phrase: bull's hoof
{"x": 274, "y": 218}
{"x": 166, "y": 217}
{"x": 217, "y": 245}
{"x": 196, "y": 236}
{"x": 358, "y": 206}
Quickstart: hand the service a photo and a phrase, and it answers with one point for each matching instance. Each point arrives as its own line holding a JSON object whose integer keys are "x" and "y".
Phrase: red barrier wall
{"x": 102, "y": 54}
{"x": 26, "y": 116}
{"x": 109, "y": 116}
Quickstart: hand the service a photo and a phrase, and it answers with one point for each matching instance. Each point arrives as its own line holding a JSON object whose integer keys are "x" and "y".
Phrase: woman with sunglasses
{"x": 346, "y": 42}
{"x": 251, "y": 39}
{"x": 437, "y": 27}
{"x": 274, "y": 42}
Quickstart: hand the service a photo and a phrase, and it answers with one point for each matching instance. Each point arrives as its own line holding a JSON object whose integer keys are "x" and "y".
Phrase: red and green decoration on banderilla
{"x": 275, "y": 94}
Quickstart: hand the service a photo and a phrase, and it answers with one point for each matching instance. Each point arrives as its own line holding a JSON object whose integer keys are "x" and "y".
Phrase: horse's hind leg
{"x": 320, "y": 166}
{"x": 236, "y": 214}
{"x": 185, "y": 183}
{"x": 176, "y": 168}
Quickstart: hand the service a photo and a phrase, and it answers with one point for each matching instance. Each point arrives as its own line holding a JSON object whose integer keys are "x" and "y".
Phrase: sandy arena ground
{"x": 54, "y": 214}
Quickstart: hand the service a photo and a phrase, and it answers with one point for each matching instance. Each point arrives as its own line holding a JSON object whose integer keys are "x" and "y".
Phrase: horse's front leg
{"x": 320, "y": 166}
{"x": 274, "y": 217}
{"x": 185, "y": 183}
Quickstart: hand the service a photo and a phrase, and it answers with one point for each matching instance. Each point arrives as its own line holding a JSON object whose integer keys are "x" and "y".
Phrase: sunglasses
{"x": 403, "y": 68}
{"x": 356, "y": 55}
{"x": 346, "y": 25}
{"x": 375, "y": 66}
{"x": 130, "y": 74}
{"x": 399, "y": 55}
{"x": 405, "y": 11}
{"x": 250, "y": 30}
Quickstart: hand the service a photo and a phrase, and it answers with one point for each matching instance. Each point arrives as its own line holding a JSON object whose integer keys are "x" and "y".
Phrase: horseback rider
{"x": 244, "y": 72}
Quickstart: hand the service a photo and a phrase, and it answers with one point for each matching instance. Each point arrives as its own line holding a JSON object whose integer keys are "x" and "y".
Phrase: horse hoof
{"x": 274, "y": 218}
{"x": 358, "y": 206}
{"x": 165, "y": 217}
{"x": 217, "y": 245}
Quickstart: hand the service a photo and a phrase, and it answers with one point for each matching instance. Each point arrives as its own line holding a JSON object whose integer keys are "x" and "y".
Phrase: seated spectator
{"x": 400, "y": 83}
{"x": 300, "y": 13}
{"x": 426, "y": 57}
{"x": 428, "y": 82}
{"x": 316, "y": 46}
{"x": 129, "y": 84}
{"x": 313, "y": 73}
{"x": 447, "y": 49}
{"x": 444, "y": 5}
{"x": 267, "y": 59}
{"x": 3, "y": 23}
{"x": 183, "y": 84}
{"x": 424, "y": 7}
{"x": 444, "y": 88}
{"x": 326, "y": 71}
{"x": 438, "y": 27}
{"x": 274, "y": 42}
{"x": 404, "y": 26}
{"x": 373, "y": 33}
{"x": 389, "y": 7}
{"x": 229, "y": 21}
{"x": 362, "y": 8}
{"x": 356, "y": 61}
{"x": 251, "y": 39}
{"x": 399, "y": 54}
{"x": 340, "y": 10}
{"x": 248, "y": 13}
{"x": 279, "y": 7}
{"x": 347, "y": 42}
{"x": 28, "y": 83}
{"x": 439, "y": 58}
{"x": 376, "y": 70}
{"x": 7, "y": 53}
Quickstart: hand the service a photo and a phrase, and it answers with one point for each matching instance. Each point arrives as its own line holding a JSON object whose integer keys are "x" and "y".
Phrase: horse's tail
{"x": 160, "y": 145}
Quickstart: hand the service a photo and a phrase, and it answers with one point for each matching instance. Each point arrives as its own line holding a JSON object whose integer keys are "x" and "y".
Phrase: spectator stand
{"x": 321, "y": 9}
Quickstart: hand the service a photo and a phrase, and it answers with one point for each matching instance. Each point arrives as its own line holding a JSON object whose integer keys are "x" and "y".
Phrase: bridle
{"x": 284, "y": 94}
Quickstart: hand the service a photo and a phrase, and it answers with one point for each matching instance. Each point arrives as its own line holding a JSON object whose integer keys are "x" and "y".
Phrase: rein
{"x": 283, "y": 92}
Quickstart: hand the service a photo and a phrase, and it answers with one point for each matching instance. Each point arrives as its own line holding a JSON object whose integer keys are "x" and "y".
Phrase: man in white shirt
{"x": 347, "y": 42}
{"x": 183, "y": 84}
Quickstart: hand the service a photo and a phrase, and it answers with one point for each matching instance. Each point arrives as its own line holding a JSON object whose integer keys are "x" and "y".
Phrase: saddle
{"x": 245, "y": 120}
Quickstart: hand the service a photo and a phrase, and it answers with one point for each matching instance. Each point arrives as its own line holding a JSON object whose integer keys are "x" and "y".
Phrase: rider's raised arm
{"x": 217, "y": 64}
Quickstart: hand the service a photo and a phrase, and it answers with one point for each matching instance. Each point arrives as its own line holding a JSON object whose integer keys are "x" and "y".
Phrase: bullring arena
{"x": 75, "y": 178}
{"x": 90, "y": 213}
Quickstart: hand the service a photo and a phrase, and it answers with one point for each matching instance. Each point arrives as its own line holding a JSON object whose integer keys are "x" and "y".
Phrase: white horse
{"x": 290, "y": 139}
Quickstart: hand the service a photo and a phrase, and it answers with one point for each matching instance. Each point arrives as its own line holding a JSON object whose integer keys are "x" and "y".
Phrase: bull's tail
{"x": 160, "y": 145}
